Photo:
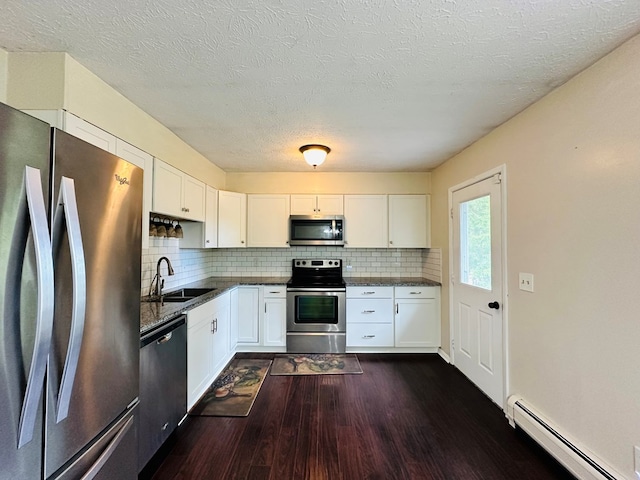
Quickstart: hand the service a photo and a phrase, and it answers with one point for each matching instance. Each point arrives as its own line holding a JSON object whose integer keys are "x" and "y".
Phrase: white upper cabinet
{"x": 89, "y": 133}
{"x": 177, "y": 194}
{"x": 77, "y": 127}
{"x": 267, "y": 220}
{"x": 232, "y": 219}
{"x": 143, "y": 160}
{"x": 366, "y": 221}
{"x": 193, "y": 198}
{"x": 203, "y": 235}
{"x": 317, "y": 205}
{"x": 211, "y": 218}
{"x": 409, "y": 221}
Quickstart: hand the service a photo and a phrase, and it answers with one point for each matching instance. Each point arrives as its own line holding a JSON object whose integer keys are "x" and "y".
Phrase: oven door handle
{"x": 316, "y": 289}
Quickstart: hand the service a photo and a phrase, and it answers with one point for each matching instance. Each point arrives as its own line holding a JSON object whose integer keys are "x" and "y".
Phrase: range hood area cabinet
{"x": 387, "y": 221}
{"x": 177, "y": 194}
{"x": 317, "y": 204}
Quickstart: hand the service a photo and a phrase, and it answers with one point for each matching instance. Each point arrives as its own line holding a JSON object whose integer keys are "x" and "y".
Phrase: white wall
{"x": 573, "y": 170}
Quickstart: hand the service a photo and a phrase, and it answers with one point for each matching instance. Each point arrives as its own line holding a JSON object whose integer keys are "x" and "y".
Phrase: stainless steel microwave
{"x": 316, "y": 230}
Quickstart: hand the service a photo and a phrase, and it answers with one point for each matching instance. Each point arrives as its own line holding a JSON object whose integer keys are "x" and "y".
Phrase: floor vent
{"x": 576, "y": 459}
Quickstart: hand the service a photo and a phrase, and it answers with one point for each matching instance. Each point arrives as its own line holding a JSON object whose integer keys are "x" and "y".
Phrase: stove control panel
{"x": 316, "y": 263}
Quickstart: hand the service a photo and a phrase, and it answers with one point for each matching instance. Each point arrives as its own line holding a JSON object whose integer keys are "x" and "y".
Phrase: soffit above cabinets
{"x": 388, "y": 85}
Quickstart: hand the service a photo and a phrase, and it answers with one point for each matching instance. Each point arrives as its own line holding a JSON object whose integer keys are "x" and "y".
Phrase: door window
{"x": 475, "y": 242}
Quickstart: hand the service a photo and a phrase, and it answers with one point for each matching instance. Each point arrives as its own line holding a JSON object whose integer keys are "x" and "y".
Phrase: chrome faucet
{"x": 159, "y": 279}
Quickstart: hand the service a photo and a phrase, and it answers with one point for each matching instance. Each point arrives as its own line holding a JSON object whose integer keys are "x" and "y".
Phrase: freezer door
{"x": 24, "y": 141}
{"x": 112, "y": 456}
{"x": 96, "y": 231}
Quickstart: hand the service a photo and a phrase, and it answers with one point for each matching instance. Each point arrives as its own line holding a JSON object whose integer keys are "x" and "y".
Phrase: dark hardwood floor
{"x": 406, "y": 417}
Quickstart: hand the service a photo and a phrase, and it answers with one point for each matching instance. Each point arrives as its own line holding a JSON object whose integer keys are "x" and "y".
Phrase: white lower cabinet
{"x": 370, "y": 335}
{"x": 369, "y": 317}
{"x": 393, "y": 318}
{"x": 246, "y": 314}
{"x": 275, "y": 316}
{"x": 417, "y": 317}
{"x": 207, "y": 345}
{"x": 260, "y": 316}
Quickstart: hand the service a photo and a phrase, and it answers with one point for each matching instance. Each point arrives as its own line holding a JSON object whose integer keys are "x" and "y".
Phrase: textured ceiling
{"x": 389, "y": 85}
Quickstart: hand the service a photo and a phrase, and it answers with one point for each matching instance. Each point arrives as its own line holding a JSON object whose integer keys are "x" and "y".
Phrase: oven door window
{"x": 316, "y": 309}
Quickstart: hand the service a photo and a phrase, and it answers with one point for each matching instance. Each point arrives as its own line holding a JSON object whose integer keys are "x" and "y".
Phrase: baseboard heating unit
{"x": 580, "y": 462}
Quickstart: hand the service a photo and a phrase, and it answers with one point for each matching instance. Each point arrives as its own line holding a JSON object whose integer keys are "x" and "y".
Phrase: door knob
{"x": 495, "y": 305}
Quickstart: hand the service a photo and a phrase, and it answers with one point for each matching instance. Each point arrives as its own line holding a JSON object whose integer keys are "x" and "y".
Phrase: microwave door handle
{"x": 44, "y": 322}
{"x": 67, "y": 215}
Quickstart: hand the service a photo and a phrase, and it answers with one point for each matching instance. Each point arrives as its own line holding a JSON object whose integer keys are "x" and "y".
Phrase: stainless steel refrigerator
{"x": 70, "y": 216}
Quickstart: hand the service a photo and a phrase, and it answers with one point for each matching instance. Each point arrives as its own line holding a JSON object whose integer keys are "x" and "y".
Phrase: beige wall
{"x": 36, "y": 80}
{"x": 573, "y": 193}
{"x": 4, "y": 58}
{"x": 55, "y": 80}
{"x": 326, "y": 182}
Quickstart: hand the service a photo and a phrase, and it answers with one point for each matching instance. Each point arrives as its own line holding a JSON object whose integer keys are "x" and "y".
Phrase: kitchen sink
{"x": 188, "y": 293}
{"x": 182, "y": 295}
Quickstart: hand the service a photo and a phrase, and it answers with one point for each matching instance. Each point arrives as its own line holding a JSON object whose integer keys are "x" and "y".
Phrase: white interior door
{"x": 477, "y": 285}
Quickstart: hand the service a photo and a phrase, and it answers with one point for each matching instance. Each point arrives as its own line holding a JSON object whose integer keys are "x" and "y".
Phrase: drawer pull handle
{"x": 415, "y": 293}
{"x": 277, "y": 291}
{"x": 368, "y": 293}
{"x": 368, "y": 336}
{"x": 165, "y": 426}
{"x": 368, "y": 311}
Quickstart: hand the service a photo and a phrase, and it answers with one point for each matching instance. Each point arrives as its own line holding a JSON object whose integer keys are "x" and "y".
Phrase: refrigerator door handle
{"x": 104, "y": 457}
{"x": 44, "y": 323}
{"x": 67, "y": 213}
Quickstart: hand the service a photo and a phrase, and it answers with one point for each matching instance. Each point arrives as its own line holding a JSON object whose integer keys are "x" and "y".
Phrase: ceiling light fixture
{"x": 314, "y": 155}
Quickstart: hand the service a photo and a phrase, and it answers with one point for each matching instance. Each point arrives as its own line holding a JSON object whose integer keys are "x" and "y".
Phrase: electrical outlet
{"x": 525, "y": 282}
{"x": 636, "y": 460}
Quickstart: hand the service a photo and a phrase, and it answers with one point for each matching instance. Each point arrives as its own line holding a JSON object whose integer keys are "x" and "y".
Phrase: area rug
{"x": 315, "y": 364}
{"x": 234, "y": 391}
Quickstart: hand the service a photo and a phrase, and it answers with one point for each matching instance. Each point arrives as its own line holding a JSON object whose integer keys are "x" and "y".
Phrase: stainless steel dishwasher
{"x": 163, "y": 386}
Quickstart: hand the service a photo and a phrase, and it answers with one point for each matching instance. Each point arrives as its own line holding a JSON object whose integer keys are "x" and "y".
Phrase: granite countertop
{"x": 154, "y": 314}
{"x": 390, "y": 281}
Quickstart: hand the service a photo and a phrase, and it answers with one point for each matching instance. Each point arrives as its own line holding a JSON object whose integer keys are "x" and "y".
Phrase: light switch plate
{"x": 525, "y": 281}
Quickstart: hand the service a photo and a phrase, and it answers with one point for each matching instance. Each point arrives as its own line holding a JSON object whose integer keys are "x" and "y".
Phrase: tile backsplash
{"x": 191, "y": 265}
